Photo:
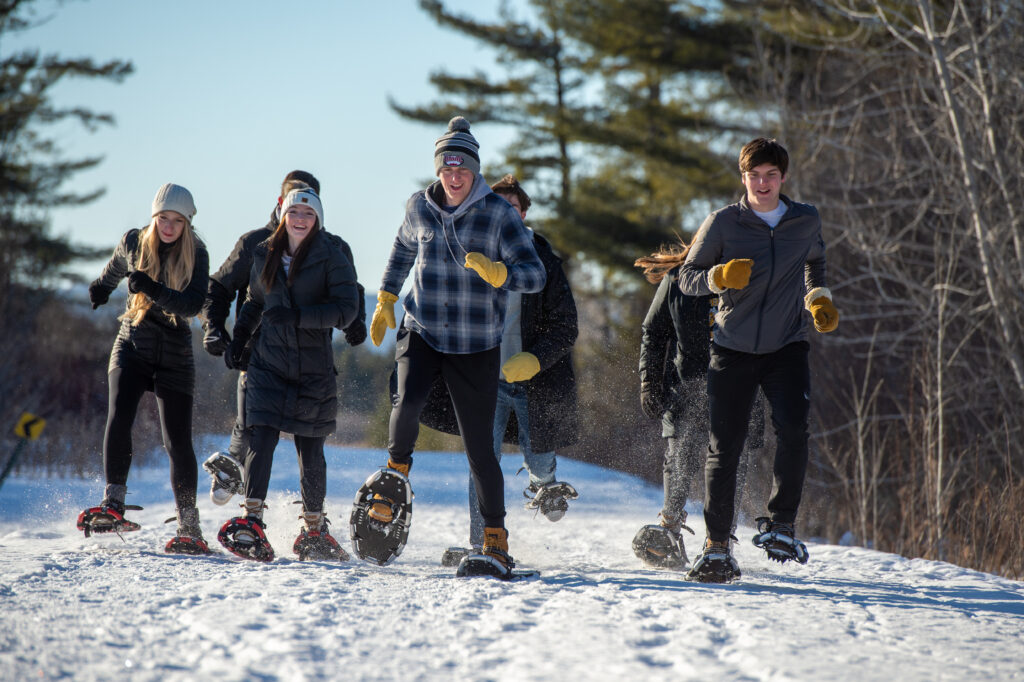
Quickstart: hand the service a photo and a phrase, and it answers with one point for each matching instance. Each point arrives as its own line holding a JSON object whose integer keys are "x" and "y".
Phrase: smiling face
{"x": 456, "y": 183}
{"x": 169, "y": 226}
{"x": 763, "y": 184}
{"x": 299, "y": 221}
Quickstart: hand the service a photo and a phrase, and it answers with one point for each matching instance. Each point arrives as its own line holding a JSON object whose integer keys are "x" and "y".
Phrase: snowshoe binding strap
{"x": 186, "y": 544}
{"x": 777, "y": 540}
{"x": 714, "y": 567}
{"x": 658, "y": 547}
{"x": 106, "y": 519}
{"x": 243, "y": 536}
{"x": 483, "y": 565}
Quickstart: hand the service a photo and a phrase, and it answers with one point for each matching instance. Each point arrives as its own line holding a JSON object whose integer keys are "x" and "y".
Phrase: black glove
{"x": 216, "y": 339}
{"x": 279, "y": 315}
{"x": 98, "y": 294}
{"x": 236, "y": 356}
{"x": 651, "y": 400}
{"x": 355, "y": 333}
{"x": 141, "y": 283}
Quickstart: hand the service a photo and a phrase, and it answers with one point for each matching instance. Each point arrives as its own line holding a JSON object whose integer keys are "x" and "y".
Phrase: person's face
{"x": 299, "y": 221}
{"x": 169, "y": 226}
{"x": 514, "y": 200}
{"x": 456, "y": 183}
{"x": 763, "y": 185}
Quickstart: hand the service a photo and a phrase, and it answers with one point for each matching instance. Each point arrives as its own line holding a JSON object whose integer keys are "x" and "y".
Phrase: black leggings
{"x": 312, "y": 466}
{"x": 127, "y": 387}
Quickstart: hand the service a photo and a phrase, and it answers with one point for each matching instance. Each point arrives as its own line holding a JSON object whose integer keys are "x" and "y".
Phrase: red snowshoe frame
{"x": 104, "y": 519}
{"x": 258, "y": 550}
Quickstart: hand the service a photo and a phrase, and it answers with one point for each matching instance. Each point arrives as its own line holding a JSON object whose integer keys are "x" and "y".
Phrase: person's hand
{"x": 826, "y": 317}
{"x": 493, "y": 272}
{"x": 355, "y": 333}
{"x": 383, "y": 316}
{"x": 733, "y": 275}
{"x": 282, "y": 316}
{"x": 98, "y": 294}
{"x": 216, "y": 339}
{"x": 520, "y": 367}
{"x": 234, "y": 357}
{"x": 650, "y": 400}
{"x": 141, "y": 283}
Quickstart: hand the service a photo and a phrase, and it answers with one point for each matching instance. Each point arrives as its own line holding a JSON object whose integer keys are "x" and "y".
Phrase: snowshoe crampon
{"x": 185, "y": 544}
{"x": 227, "y": 477}
{"x": 474, "y": 565}
{"x": 777, "y": 540}
{"x": 453, "y": 555}
{"x": 319, "y": 545}
{"x": 107, "y": 519}
{"x": 244, "y": 536}
{"x": 372, "y": 540}
{"x": 659, "y": 547}
{"x": 551, "y": 499}
{"x": 714, "y": 565}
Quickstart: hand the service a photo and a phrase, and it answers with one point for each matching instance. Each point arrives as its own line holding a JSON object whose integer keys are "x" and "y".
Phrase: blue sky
{"x": 228, "y": 96}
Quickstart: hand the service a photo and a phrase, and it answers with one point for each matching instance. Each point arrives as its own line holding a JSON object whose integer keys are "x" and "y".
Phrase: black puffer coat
{"x": 291, "y": 377}
{"x": 549, "y": 329}
{"x": 159, "y": 344}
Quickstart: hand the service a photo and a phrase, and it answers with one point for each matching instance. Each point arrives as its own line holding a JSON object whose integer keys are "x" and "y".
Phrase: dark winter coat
{"x": 789, "y": 262}
{"x": 233, "y": 275}
{"x": 160, "y": 345}
{"x": 549, "y": 329}
{"x": 291, "y": 383}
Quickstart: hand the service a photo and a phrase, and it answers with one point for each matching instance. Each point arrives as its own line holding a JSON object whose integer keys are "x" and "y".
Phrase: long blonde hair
{"x": 658, "y": 264}
{"x": 177, "y": 269}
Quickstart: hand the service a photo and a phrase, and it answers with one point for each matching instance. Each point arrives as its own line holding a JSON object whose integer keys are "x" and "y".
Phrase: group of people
{"x": 483, "y": 350}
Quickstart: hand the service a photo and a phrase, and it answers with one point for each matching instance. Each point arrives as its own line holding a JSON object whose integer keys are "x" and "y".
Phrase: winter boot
{"x": 383, "y": 510}
{"x": 315, "y": 543}
{"x": 189, "y": 539}
{"x": 245, "y": 536}
{"x": 496, "y": 547}
{"x": 661, "y": 546}
{"x": 551, "y": 499}
{"x": 108, "y": 517}
{"x": 227, "y": 477}
{"x": 778, "y": 540}
{"x": 714, "y": 564}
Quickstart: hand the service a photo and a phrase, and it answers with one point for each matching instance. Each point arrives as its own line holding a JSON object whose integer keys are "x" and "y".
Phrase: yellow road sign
{"x": 29, "y": 426}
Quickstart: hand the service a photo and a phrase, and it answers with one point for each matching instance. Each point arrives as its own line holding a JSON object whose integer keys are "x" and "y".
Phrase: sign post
{"x": 28, "y": 428}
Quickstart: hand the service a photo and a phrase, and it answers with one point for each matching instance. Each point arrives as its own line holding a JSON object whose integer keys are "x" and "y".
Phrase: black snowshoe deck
{"x": 481, "y": 565}
{"x": 372, "y": 540}
{"x": 104, "y": 519}
{"x": 659, "y": 547}
{"x": 244, "y": 537}
{"x": 714, "y": 567}
{"x": 226, "y": 472}
{"x": 779, "y": 546}
{"x": 551, "y": 500}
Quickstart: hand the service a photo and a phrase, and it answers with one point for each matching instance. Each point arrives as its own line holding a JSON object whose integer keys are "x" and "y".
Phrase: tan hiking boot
{"x": 496, "y": 546}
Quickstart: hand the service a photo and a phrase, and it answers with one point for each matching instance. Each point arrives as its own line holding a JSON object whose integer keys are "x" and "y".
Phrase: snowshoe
{"x": 551, "y": 499}
{"x": 372, "y": 539}
{"x": 186, "y": 544}
{"x": 779, "y": 541}
{"x": 659, "y": 547}
{"x": 108, "y": 517}
{"x": 318, "y": 545}
{"x": 453, "y": 555}
{"x": 474, "y": 565}
{"x": 227, "y": 477}
{"x": 714, "y": 565}
{"x": 244, "y": 536}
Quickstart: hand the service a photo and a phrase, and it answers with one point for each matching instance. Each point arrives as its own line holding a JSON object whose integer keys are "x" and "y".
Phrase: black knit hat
{"x": 457, "y": 148}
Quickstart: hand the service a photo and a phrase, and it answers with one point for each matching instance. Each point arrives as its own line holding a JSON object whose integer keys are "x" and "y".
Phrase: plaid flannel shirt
{"x": 451, "y": 306}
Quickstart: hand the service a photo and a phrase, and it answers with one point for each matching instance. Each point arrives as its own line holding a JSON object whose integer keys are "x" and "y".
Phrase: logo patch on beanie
{"x": 305, "y": 200}
{"x": 454, "y": 159}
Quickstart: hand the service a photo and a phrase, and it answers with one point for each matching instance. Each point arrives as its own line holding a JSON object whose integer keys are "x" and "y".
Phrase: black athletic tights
{"x": 126, "y": 390}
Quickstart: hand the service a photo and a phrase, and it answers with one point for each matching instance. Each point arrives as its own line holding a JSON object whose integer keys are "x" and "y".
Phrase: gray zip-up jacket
{"x": 789, "y": 262}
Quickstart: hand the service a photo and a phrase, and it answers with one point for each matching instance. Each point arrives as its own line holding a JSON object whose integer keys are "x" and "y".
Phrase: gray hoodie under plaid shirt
{"x": 450, "y": 305}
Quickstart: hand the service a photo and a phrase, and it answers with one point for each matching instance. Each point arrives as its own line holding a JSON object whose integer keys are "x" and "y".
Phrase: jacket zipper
{"x": 764, "y": 299}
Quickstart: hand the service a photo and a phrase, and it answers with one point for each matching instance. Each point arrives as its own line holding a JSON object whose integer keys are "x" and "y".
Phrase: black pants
{"x": 472, "y": 380}
{"x": 733, "y": 380}
{"x": 259, "y": 459}
{"x": 127, "y": 386}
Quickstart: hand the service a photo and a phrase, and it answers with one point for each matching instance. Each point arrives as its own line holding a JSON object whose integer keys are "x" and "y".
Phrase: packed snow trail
{"x": 102, "y": 608}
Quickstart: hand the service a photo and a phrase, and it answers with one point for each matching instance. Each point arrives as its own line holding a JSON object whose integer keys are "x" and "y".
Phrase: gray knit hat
{"x": 305, "y": 197}
{"x": 175, "y": 198}
{"x": 457, "y": 148}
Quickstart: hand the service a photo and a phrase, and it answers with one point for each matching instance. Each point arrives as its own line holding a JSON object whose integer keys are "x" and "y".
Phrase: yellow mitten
{"x": 383, "y": 316}
{"x": 521, "y": 367}
{"x": 733, "y": 275}
{"x": 819, "y": 303}
{"x": 493, "y": 272}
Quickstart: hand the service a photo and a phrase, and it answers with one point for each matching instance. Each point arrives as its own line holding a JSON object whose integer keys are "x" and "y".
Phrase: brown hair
{"x": 178, "y": 267}
{"x": 657, "y": 265}
{"x": 763, "y": 150}
{"x": 279, "y": 244}
{"x": 510, "y": 185}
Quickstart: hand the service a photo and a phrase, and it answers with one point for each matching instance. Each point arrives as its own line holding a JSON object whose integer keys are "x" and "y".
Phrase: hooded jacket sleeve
{"x": 558, "y": 326}
{"x": 231, "y": 278}
{"x": 189, "y": 301}
{"x": 705, "y": 253}
{"x": 342, "y": 304}
{"x": 117, "y": 267}
{"x": 656, "y": 333}
{"x": 525, "y": 270}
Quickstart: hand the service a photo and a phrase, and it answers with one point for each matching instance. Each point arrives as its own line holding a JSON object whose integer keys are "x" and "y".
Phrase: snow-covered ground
{"x": 102, "y": 608}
